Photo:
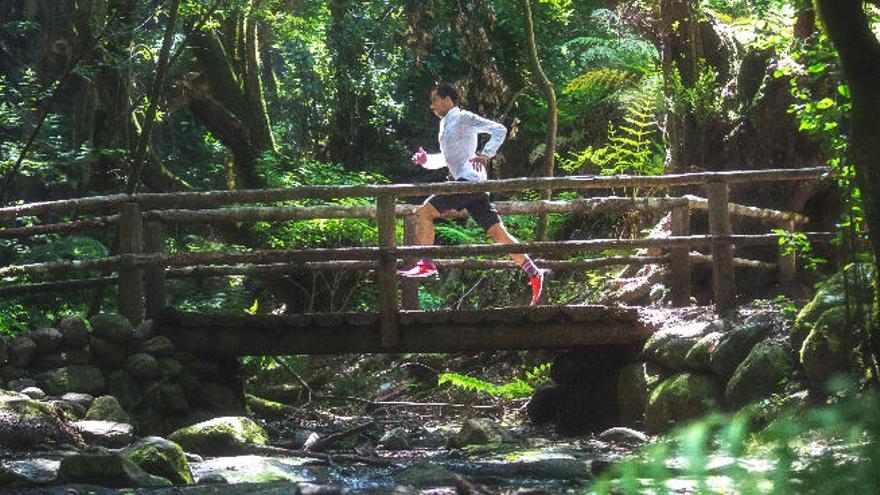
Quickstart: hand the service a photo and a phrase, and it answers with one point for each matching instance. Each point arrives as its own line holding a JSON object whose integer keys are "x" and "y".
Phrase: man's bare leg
{"x": 425, "y": 216}
{"x": 500, "y": 235}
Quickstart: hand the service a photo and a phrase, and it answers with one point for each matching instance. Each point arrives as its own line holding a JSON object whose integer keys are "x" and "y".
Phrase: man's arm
{"x": 485, "y": 126}
{"x": 430, "y": 161}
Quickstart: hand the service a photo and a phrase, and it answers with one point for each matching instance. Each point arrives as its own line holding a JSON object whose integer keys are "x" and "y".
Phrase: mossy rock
{"x": 699, "y": 356}
{"x": 634, "y": 386}
{"x": 173, "y": 398}
{"x": 832, "y": 293}
{"x": 735, "y": 346}
{"x": 113, "y": 327}
{"x": 477, "y": 431}
{"x": 425, "y": 473}
{"x": 47, "y": 339}
{"x": 679, "y": 398}
{"x": 74, "y": 332}
{"x": 77, "y": 378}
{"x": 828, "y": 349}
{"x": 759, "y": 375}
{"x": 143, "y": 366}
{"x": 110, "y": 470}
{"x": 809, "y": 315}
{"x": 267, "y": 409}
{"x": 107, "y": 408}
{"x": 21, "y": 351}
{"x": 228, "y": 435}
{"x": 124, "y": 387}
{"x": 27, "y": 424}
{"x": 161, "y": 457}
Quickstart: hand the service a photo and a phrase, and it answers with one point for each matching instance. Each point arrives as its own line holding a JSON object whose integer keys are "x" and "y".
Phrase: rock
{"x": 425, "y": 473}
{"x": 161, "y": 457}
{"x": 544, "y": 403}
{"x": 72, "y": 411}
{"x": 679, "y": 398}
{"x": 111, "y": 470}
{"x": 26, "y": 424}
{"x": 759, "y": 375}
{"x": 78, "y": 378}
{"x": 634, "y": 386}
{"x": 110, "y": 434}
{"x": 21, "y": 351}
{"x": 699, "y": 357}
{"x": 735, "y": 346}
{"x": 107, "y": 408}
{"x": 124, "y": 387}
{"x": 63, "y": 358}
{"x": 394, "y": 439}
{"x": 809, "y": 315}
{"x": 220, "y": 398}
{"x": 624, "y": 436}
{"x": 220, "y": 436}
{"x": 173, "y": 399}
{"x": 212, "y": 479}
{"x": 142, "y": 366}
{"x": 109, "y": 353}
{"x": 145, "y": 330}
{"x": 34, "y": 393}
{"x": 84, "y": 400}
{"x": 28, "y": 472}
{"x": 477, "y": 431}
{"x": 169, "y": 367}
{"x": 157, "y": 346}
{"x": 828, "y": 349}
{"x": 22, "y": 384}
{"x": 113, "y": 327}
{"x": 267, "y": 409}
{"x": 553, "y": 469}
{"x": 74, "y": 332}
{"x": 46, "y": 339}
{"x": 668, "y": 348}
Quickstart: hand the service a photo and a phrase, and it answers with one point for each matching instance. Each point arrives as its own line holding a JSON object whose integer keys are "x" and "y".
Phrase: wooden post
{"x": 131, "y": 279}
{"x": 681, "y": 260}
{"x": 409, "y": 286}
{"x": 787, "y": 263}
{"x": 386, "y": 273}
{"x": 723, "y": 280}
{"x": 154, "y": 276}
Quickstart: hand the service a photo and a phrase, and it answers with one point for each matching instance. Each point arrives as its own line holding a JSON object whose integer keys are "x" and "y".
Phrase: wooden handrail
{"x": 156, "y": 201}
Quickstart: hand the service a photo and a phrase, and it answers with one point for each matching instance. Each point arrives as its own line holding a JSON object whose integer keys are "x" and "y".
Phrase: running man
{"x": 458, "y": 145}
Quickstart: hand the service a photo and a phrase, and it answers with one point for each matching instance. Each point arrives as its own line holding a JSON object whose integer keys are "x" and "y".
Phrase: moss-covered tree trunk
{"x": 850, "y": 30}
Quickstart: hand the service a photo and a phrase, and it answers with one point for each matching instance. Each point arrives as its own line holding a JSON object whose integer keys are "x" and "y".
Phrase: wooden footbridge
{"x": 141, "y": 266}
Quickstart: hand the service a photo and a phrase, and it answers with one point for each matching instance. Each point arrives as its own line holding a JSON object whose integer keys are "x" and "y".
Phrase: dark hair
{"x": 445, "y": 89}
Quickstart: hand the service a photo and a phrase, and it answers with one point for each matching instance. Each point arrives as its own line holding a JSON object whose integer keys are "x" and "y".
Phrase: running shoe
{"x": 423, "y": 269}
{"x": 537, "y": 284}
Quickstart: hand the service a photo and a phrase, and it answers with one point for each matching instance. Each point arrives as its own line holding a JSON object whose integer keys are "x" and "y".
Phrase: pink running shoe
{"x": 537, "y": 284}
{"x": 423, "y": 269}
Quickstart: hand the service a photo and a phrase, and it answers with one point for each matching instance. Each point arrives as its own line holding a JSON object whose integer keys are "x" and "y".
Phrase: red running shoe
{"x": 423, "y": 269}
{"x": 537, "y": 284}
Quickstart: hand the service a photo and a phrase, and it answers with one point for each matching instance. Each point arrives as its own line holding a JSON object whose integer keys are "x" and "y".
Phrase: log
{"x": 42, "y": 287}
{"x": 697, "y": 202}
{"x": 131, "y": 276}
{"x": 386, "y": 272}
{"x": 58, "y": 228}
{"x": 151, "y": 201}
{"x": 723, "y": 279}
{"x": 680, "y": 262}
{"x": 154, "y": 276}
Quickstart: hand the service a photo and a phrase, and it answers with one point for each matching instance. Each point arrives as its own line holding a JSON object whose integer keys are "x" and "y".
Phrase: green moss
{"x": 266, "y": 408}
{"x": 25, "y": 408}
{"x": 227, "y": 435}
{"x": 828, "y": 348}
{"x": 681, "y": 397}
{"x": 162, "y": 458}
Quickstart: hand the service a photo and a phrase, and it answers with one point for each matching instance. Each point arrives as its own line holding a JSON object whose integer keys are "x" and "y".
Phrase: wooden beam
{"x": 386, "y": 272}
{"x": 723, "y": 279}
{"x": 680, "y": 261}
{"x": 154, "y": 275}
{"x": 131, "y": 276}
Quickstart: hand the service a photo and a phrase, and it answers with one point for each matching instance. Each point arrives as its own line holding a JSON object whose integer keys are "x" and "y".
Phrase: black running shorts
{"x": 476, "y": 204}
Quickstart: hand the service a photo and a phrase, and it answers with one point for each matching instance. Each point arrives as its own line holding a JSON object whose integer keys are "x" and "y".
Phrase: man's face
{"x": 440, "y": 106}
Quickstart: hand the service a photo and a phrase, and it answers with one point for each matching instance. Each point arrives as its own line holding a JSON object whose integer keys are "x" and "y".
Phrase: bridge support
{"x": 154, "y": 276}
{"x": 680, "y": 264}
{"x": 386, "y": 274}
{"x": 131, "y": 278}
{"x": 723, "y": 280}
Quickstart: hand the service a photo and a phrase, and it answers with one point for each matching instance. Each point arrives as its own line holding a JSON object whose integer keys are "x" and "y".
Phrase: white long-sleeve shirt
{"x": 459, "y": 130}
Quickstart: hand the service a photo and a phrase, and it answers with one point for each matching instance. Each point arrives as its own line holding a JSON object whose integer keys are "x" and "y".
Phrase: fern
{"x": 516, "y": 389}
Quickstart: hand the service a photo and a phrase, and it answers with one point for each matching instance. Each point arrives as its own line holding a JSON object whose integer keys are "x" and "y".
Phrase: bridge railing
{"x": 142, "y": 266}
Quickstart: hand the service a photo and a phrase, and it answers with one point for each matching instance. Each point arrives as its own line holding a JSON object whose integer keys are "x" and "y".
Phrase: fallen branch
{"x": 406, "y": 404}
{"x": 325, "y": 442}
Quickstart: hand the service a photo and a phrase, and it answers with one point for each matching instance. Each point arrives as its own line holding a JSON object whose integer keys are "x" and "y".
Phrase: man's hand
{"x": 479, "y": 162}
{"x": 420, "y": 157}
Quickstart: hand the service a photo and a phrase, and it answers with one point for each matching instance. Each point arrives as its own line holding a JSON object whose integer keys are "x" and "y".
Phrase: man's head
{"x": 443, "y": 98}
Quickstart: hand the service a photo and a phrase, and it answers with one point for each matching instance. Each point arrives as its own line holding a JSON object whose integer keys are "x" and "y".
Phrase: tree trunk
{"x": 550, "y": 94}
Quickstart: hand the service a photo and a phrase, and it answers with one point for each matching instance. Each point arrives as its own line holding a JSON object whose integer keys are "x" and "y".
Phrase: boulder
{"x": 20, "y": 384}
{"x": 668, "y": 348}
{"x": 108, "y": 353}
{"x": 425, "y": 473}
{"x": 828, "y": 349}
{"x": 169, "y": 367}
{"x": 476, "y": 431}
{"x": 809, "y": 315}
{"x": 634, "y": 386}
{"x": 735, "y": 346}
{"x": 759, "y": 375}
{"x": 113, "y": 327}
{"x": 680, "y": 398}
{"x": 34, "y": 393}
{"x": 124, "y": 387}
{"x": 220, "y": 436}
{"x": 161, "y": 457}
{"x": 699, "y": 356}
{"x": 74, "y": 332}
{"x": 107, "y": 408}
{"x": 71, "y": 410}
{"x": 394, "y": 439}
{"x": 26, "y": 424}
{"x": 77, "y": 378}
{"x": 624, "y": 436}
{"x": 145, "y": 330}
{"x": 108, "y": 469}
{"x": 267, "y": 409}
{"x": 46, "y": 339}
{"x": 832, "y": 292}
{"x": 142, "y": 366}
{"x": 84, "y": 400}
{"x": 157, "y": 346}
{"x": 110, "y": 434}
{"x": 21, "y": 351}
{"x": 28, "y": 472}
{"x": 60, "y": 359}
{"x": 173, "y": 398}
